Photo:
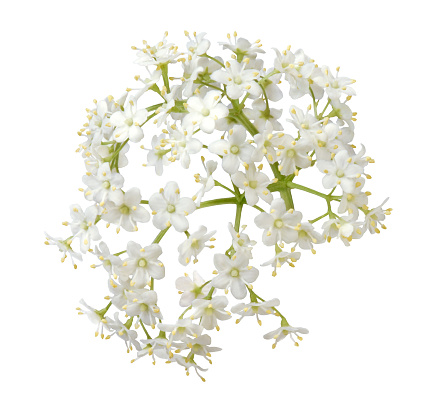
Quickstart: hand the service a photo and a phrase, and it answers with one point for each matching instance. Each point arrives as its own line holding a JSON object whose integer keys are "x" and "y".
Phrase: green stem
{"x": 218, "y": 184}
{"x": 213, "y": 59}
{"x": 220, "y": 201}
{"x": 239, "y": 208}
{"x": 144, "y": 329}
{"x": 160, "y": 235}
{"x": 164, "y": 73}
{"x": 310, "y": 190}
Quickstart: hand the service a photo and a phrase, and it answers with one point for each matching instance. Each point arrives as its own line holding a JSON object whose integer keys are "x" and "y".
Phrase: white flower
{"x": 238, "y": 79}
{"x": 180, "y": 330}
{"x": 119, "y": 291}
{"x": 282, "y": 257}
{"x": 105, "y": 186}
{"x": 307, "y": 124}
{"x": 254, "y": 183}
{"x": 96, "y": 317}
{"x": 307, "y": 236}
{"x": 99, "y": 123}
{"x": 292, "y": 154}
{"x": 241, "y": 242}
{"x": 336, "y": 86}
{"x": 340, "y": 171}
{"x": 142, "y": 264}
{"x": 266, "y": 142}
{"x": 188, "y": 363}
{"x": 233, "y": 151}
{"x": 154, "y": 347}
{"x": 207, "y": 182}
{"x": 183, "y": 144}
{"x": 170, "y": 209}
{"x": 194, "y": 244}
{"x": 191, "y": 289}
{"x": 284, "y": 331}
{"x": 234, "y": 273}
{"x": 255, "y": 308}
{"x": 127, "y": 212}
{"x": 260, "y": 114}
{"x": 157, "y": 156}
{"x": 204, "y": 111}
{"x": 279, "y": 225}
{"x": 210, "y": 311}
{"x": 143, "y": 303}
{"x": 162, "y": 53}
{"x": 353, "y": 200}
{"x": 197, "y": 45}
{"x": 271, "y": 87}
{"x": 64, "y": 247}
{"x": 109, "y": 261}
{"x": 83, "y": 225}
{"x": 375, "y": 216}
{"x": 345, "y": 228}
{"x": 127, "y": 123}
{"x": 122, "y": 330}
{"x": 297, "y": 67}
{"x": 199, "y": 346}
{"x": 153, "y": 79}
{"x": 242, "y": 47}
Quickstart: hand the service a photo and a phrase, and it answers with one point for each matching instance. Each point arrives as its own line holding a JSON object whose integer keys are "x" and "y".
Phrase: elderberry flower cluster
{"x": 224, "y": 110}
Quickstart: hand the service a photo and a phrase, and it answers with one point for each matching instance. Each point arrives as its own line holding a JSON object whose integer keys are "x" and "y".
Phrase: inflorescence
{"x": 232, "y": 101}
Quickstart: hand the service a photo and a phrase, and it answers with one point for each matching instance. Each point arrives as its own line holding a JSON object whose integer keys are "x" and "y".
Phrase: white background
{"x": 366, "y": 306}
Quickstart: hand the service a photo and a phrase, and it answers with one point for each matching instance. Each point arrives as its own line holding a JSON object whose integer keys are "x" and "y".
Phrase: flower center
{"x": 84, "y": 225}
{"x": 303, "y": 234}
{"x": 253, "y": 184}
{"x": 195, "y": 243}
{"x": 171, "y": 208}
{"x": 237, "y": 80}
{"x": 106, "y": 185}
{"x": 291, "y": 153}
{"x": 124, "y": 209}
{"x": 143, "y": 307}
{"x": 205, "y": 112}
{"x": 340, "y": 173}
{"x": 234, "y": 149}
{"x": 129, "y": 122}
{"x": 241, "y": 242}
{"x": 142, "y": 262}
{"x": 279, "y": 223}
{"x": 98, "y": 123}
{"x": 234, "y": 272}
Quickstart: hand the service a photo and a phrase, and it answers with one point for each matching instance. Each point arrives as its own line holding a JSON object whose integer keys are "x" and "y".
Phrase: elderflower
{"x": 194, "y": 104}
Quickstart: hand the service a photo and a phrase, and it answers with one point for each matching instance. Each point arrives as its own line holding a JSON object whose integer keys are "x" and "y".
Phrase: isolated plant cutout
{"x": 199, "y": 94}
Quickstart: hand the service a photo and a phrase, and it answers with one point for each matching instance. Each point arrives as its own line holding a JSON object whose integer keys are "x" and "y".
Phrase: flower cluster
{"x": 231, "y": 102}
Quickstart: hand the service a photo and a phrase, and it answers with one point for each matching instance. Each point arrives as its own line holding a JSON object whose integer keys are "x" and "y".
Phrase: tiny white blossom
{"x": 210, "y": 311}
{"x": 255, "y": 308}
{"x": 105, "y": 186}
{"x": 191, "y": 289}
{"x": 340, "y": 171}
{"x": 238, "y": 79}
{"x": 234, "y": 150}
{"x": 241, "y": 242}
{"x": 142, "y": 264}
{"x": 83, "y": 225}
{"x": 157, "y": 156}
{"x": 254, "y": 183}
{"x": 207, "y": 182}
{"x": 334, "y": 86}
{"x": 234, "y": 274}
{"x": 128, "y": 123}
{"x": 127, "y": 212}
{"x": 279, "y": 225}
{"x": 284, "y": 331}
{"x": 170, "y": 208}
{"x": 143, "y": 303}
{"x": 194, "y": 244}
{"x": 374, "y": 217}
{"x": 204, "y": 111}
{"x": 183, "y": 144}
